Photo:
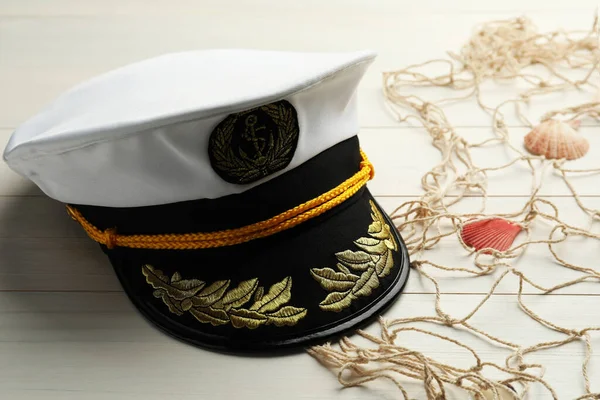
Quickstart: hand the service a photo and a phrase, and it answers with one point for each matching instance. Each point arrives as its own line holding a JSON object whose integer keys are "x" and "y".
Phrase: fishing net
{"x": 538, "y": 65}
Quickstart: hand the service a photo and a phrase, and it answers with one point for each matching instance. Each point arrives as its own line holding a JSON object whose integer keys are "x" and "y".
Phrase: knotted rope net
{"x": 499, "y": 51}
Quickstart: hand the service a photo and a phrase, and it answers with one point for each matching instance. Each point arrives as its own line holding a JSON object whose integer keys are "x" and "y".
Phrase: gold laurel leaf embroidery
{"x": 173, "y": 305}
{"x": 378, "y": 232}
{"x": 279, "y": 294}
{"x": 331, "y": 280}
{"x": 385, "y": 264}
{"x": 187, "y": 284}
{"x": 210, "y": 295}
{"x": 258, "y": 295}
{"x": 337, "y": 301}
{"x": 186, "y": 304}
{"x": 155, "y": 276}
{"x": 367, "y": 282}
{"x": 371, "y": 245}
{"x": 391, "y": 244}
{"x": 342, "y": 268}
{"x": 375, "y": 228}
{"x": 358, "y": 260}
{"x": 385, "y": 232}
{"x": 375, "y": 259}
{"x": 241, "y": 318}
{"x": 286, "y": 316}
{"x": 158, "y": 280}
{"x": 279, "y": 163}
{"x": 210, "y": 315}
{"x": 225, "y": 159}
{"x": 216, "y": 305}
{"x": 240, "y": 295}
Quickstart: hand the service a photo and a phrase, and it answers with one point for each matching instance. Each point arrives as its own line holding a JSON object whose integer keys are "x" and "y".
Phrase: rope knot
{"x": 476, "y": 368}
{"x": 531, "y": 215}
{"x": 110, "y": 238}
{"x": 558, "y": 164}
{"x": 424, "y": 107}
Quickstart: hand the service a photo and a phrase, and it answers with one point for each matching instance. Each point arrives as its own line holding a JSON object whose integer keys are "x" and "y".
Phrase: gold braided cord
{"x": 229, "y": 237}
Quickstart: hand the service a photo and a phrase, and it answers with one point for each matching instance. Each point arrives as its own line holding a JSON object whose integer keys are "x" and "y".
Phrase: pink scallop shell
{"x": 497, "y": 233}
{"x": 557, "y": 140}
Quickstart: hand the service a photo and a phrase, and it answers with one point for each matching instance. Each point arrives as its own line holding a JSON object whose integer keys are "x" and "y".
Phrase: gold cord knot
{"x": 110, "y": 238}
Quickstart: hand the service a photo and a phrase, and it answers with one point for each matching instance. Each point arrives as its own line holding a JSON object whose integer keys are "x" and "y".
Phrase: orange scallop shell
{"x": 496, "y": 233}
{"x": 556, "y": 140}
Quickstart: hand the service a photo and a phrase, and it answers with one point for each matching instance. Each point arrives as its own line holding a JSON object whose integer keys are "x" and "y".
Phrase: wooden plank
{"x": 402, "y": 156}
{"x": 161, "y": 7}
{"x": 43, "y": 249}
{"x": 42, "y": 57}
{"x": 92, "y": 344}
{"x": 88, "y": 395}
{"x": 55, "y": 264}
{"x": 36, "y": 217}
{"x": 98, "y": 347}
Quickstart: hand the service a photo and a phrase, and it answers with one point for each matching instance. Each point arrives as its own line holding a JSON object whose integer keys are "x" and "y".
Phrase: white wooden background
{"x": 66, "y": 329}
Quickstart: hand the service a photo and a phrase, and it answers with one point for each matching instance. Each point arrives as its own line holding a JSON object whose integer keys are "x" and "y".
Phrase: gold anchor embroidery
{"x": 250, "y": 134}
{"x": 259, "y": 143}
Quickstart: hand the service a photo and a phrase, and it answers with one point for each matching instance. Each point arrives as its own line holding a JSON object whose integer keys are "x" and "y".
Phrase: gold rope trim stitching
{"x": 191, "y": 241}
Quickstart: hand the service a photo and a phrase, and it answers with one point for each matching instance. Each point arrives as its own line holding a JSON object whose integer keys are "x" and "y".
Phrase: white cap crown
{"x": 139, "y": 135}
